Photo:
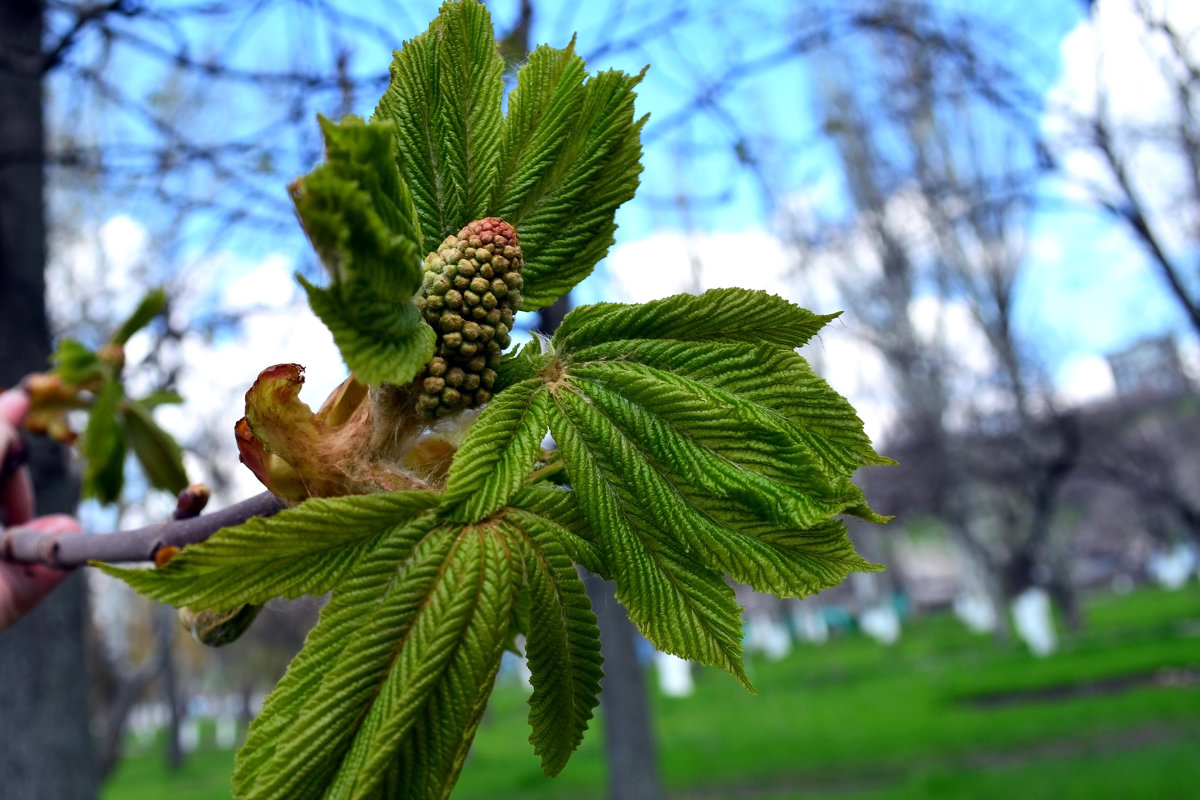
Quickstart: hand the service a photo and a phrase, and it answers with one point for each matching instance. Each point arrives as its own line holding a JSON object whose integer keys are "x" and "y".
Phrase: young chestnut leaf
{"x": 153, "y": 304}
{"x": 103, "y": 445}
{"x": 571, "y": 156}
{"x": 562, "y": 643}
{"x": 387, "y": 693}
{"x": 308, "y": 549}
{"x": 83, "y": 378}
{"x": 157, "y": 452}
{"x": 359, "y": 215}
{"x": 498, "y": 453}
{"x": 688, "y": 468}
{"x": 76, "y": 363}
{"x": 444, "y": 98}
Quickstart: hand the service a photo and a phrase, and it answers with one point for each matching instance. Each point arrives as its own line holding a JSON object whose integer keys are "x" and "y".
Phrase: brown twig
{"x": 67, "y": 550}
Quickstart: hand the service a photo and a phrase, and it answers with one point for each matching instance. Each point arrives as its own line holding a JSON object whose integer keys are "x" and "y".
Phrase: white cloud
{"x": 123, "y": 240}
{"x": 1189, "y": 357}
{"x": 671, "y": 261}
{"x": 1136, "y": 72}
{"x": 95, "y": 272}
{"x": 1084, "y": 380}
{"x": 1114, "y": 49}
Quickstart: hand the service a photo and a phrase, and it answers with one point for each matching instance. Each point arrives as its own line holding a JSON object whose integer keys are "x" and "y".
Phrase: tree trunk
{"x": 166, "y": 623}
{"x": 45, "y": 721}
{"x": 628, "y": 739}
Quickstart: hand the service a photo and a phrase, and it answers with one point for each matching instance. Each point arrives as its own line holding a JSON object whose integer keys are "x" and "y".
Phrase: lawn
{"x": 942, "y": 714}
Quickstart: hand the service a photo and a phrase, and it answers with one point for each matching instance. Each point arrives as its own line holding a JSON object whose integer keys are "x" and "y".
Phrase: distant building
{"x": 1149, "y": 368}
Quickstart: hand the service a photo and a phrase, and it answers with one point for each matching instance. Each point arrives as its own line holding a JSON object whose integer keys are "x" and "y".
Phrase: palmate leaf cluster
{"x": 693, "y": 444}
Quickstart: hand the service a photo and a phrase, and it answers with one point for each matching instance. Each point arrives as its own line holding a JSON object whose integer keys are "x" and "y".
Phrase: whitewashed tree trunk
{"x": 1035, "y": 622}
{"x": 674, "y": 675}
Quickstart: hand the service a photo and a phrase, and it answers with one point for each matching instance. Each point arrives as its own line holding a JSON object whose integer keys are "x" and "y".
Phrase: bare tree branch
{"x": 69, "y": 550}
{"x": 87, "y": 15}
{"x": 1132, "y": 210}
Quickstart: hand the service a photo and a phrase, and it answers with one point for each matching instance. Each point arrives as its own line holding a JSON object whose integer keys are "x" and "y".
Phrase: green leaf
{"x": 562, "y": 645}
{"x": 741, "y": 315}
{"x": 723, "y": 510}
{"x": 444, "y": 97}
{"x": 298, "y": 751}
{"x": 521, "y": 364}
{"x": 785, "y": 562}
{"x": 769, "y": 377}
{"x": 153, "y": 304}
{"x": 390, "y": 709}
{"x": 415, "y": 738}
{"x": 76, "y": 363}
{"x": 161, "y": 398}
{"x": 556, "y": 510}
{"x": 303, "y": 550}
{"x": 359, "y": 215}
{"x": 723, "y": 448}
{"x": 103, "y": 445}
{"x": 498, "y": 452}
{"x": 157, "y": 451}
{"x": 731, "y": 381}
{"x": 365, "y": 155}
{"x": 698, "y": 447}
{"x": 345, "y": 614}
{"x": 571, "y": 156}
{"x": 381, "y": 341}
{"x": 470, "y": 85}
{"x": 540, "y": 129}
{"x": 677, "y": 603}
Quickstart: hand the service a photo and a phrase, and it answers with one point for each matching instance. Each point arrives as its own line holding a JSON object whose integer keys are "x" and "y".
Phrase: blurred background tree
{"x": 968, "y": 183}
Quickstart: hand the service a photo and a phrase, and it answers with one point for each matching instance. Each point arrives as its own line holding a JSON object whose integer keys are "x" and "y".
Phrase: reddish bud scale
{"x": 471, "y": 291}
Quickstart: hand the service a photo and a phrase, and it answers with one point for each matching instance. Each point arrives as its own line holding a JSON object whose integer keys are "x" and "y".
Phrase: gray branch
{"x": 67, "y": 550}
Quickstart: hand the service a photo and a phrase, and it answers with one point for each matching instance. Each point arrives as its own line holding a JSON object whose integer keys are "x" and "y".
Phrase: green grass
{"x": 204, "y": 776}
{"x": 853, "y": 719}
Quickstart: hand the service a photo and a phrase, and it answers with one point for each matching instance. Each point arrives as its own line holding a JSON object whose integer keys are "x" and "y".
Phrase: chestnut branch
{"x": 67, "y": 550}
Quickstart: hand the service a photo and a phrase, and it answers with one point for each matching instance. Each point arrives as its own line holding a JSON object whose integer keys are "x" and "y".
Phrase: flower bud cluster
{"x": 471, "y": 290}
